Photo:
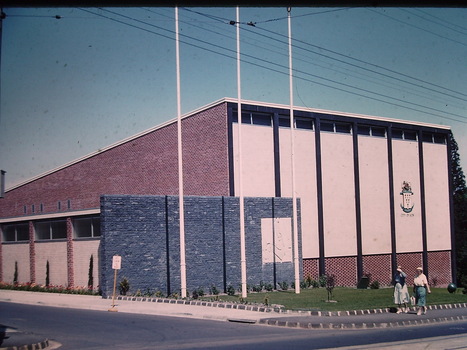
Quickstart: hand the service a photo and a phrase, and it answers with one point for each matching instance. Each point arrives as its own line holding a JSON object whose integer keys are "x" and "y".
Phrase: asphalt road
{"x": 86, "y": 329}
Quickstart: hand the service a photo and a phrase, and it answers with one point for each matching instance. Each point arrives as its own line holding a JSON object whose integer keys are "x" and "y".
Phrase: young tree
{"x": 460, "y": 213}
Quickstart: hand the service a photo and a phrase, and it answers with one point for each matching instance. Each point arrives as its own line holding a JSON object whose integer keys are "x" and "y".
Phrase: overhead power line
{"x": 420, "y": 28}
{"x": 455, "y": 92}
{"x": 370, "y": 64}
{"x": 258, "y": 44}
{"x": 278, "y": 68}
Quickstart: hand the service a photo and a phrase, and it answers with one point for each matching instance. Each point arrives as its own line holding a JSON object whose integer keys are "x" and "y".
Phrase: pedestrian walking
{"x": 420, "y": 289}
{"x": 401, "y": 294}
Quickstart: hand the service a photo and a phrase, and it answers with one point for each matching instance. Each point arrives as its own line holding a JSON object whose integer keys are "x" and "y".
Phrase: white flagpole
{"x": 180, "y": 166}
{"x": 292, "y": 142}
{"x": 240, "y": 167}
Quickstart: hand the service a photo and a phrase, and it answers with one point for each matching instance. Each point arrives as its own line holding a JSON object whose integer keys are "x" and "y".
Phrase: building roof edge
{"x": 211, "y": 105}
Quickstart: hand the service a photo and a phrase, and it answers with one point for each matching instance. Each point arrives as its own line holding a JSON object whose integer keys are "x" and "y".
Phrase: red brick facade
{"x": 378, "y": 268}
{"x": 144, "y": 165}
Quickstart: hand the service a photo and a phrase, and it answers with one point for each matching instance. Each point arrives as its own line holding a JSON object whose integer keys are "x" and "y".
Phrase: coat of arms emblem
{"x": 406, "y": 194}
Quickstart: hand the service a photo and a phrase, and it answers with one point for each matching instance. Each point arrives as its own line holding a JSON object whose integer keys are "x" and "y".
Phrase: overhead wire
{"x": 367, "y": 63}
{"x": 414, "y": 26}
{"x": 283, "y": 67}
{"x": 268, "y": 48}
{"x": 431, "y": 21}
{"x": 277, "y": 65}
{"x": 224, "y": 20}
{"x": 440, "y": 20}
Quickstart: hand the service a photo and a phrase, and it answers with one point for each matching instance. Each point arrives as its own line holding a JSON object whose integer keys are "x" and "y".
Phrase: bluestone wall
{"x": 144, "y": 231}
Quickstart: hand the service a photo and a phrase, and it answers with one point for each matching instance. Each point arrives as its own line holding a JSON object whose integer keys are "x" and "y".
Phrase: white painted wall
{"x": 278, "y": 232}
{"x": 374, "y": 195}
{"x": 258, "y": 160}
{"x": 338, "y": 195}
{"x": 305, "y": 184}
{"x": 437, "y": 197}
{"x": 406, "y": 168}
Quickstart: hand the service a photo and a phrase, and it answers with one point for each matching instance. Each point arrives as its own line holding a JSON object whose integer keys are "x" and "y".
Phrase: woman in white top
{"x": 420, "y": 288}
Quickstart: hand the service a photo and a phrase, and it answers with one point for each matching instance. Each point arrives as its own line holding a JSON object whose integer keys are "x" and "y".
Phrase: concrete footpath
{"x": 267, "y": 316}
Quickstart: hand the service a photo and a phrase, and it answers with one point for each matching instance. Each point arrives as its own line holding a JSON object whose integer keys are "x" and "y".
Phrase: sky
{"x": 94, "y": 76}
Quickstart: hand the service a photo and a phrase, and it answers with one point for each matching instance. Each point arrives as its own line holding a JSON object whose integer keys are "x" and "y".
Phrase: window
{"x": 439, "y": 138}
{"x": 50, "y": 229}
{"x": 87, "y": 227}
{"x": 327, "y": 126}
{"x": 284, "y": 121}
{"x": 410, "y": 135}
{"x": 303, "y": 123}
{"x": 397, "y": 134}
{"x": 378, "y": 131}
{"x": 427, "y": 137}
{"x": 16, "y": 232}
{"x": 261, "y": 119}
{"x": 364, "y": 130}
{"x": 253, "y": 118}
{"x": 343, "y": 128}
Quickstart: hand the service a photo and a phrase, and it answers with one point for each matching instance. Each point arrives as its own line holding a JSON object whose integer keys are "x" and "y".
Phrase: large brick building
{"x": 374, "y": 192}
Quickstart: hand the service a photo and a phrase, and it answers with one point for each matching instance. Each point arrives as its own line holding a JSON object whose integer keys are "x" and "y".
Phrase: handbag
{"x": 412, "y": 300}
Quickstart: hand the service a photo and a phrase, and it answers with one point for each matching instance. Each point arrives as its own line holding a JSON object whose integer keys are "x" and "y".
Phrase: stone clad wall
{"x": 144, "y": 231}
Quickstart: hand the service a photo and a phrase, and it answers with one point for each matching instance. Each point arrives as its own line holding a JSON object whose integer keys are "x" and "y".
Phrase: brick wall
{"x": 439, "y": 264}
{"x": 144, "y": 230}
{"x": 379, "y": 268}
{"x": 83, "y": 249}
{"x": 16, "y": 252}
{"x": 56, "y": 254}
{"x": 344, "y": 270}
{"x": 144, "y": 165}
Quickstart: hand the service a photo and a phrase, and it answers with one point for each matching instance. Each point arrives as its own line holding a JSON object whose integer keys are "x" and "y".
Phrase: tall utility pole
{"x": 2, "y": 17}
{"x": 240, "y": 167}
{"x": 180, "y": 166}
{"x": 292, "y": 144}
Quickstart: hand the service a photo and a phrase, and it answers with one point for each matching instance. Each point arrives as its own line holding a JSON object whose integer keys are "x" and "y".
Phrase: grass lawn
{"x": 345, "y": 298}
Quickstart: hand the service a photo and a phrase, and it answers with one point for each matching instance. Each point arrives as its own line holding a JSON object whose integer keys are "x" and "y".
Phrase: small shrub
{"x": 15, "y": 276}
{"x": 195, "y": 294}
{"x": 284, "y": 285}
{"x": 124, "y": 286}
{"x": 199, "y": 292}
{"x": 304, "y": 285}
{"x": 213, "y": 290}
{"x": 330, "y": 284}
{"x": 314, "y": 284}
{"x": 230, "y": 290}
{"x": 257, "y": 288}
{"x": 47, "y": 273}
{"x": 323, "y": 280}
{"x": 268, "y": 287}
{"x": 374, "y": 285}
{"x": 91, "y": 272}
